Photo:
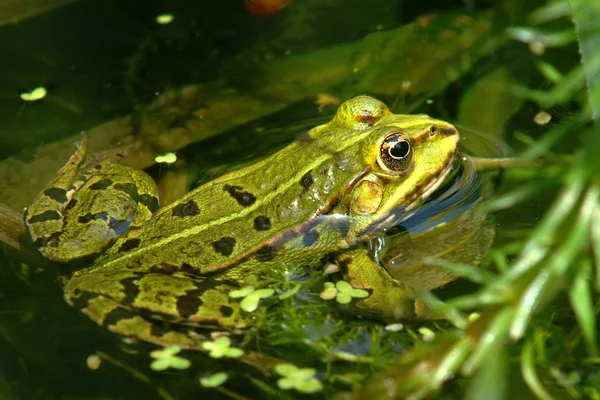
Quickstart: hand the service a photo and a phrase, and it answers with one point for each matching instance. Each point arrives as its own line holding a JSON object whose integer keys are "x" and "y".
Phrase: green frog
{"x": 160, "y": 274}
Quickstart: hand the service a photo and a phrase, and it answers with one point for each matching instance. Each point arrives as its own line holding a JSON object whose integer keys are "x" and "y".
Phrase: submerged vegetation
{"x": 523, "y": 323}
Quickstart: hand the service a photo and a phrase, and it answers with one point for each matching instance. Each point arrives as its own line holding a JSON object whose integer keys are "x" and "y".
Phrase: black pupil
{"x": 400, "y": 149}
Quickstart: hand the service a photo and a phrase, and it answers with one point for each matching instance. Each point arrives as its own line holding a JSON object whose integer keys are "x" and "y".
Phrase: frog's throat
{"x": 435, "y": 183}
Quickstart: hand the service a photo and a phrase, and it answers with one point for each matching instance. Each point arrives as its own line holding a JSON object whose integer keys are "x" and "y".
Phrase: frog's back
{"x": 246, "y": 213}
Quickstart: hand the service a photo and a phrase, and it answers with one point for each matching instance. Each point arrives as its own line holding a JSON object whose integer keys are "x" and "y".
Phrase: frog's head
{"x": 409, "y": 156}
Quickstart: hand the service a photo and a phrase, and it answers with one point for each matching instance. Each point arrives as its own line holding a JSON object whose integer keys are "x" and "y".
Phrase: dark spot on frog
{"x": 325, "y": 259}
{"x": 118, "y": 314}
{"x": 189, "y": 269}
{"x": 84, "y": 219}
{"x": 70, "y": 205}
{"x": 224, "y": 246}
{"x": 101, "y": 184}
{"x": 243, "y": 198}
{"x": 129, "y": 245}
{"x": 49, "y": 215}
{"x": 48, "y": 241}
{"x": 130, "y": 288}
{"x": 206, "y": 284}
{"x": 164, "y": 268}
{"x": 307, "y": 180}
{"x": 159, "y": 328}
{"x": 343, "y": 264}
{"x": 188, "y": 304}
{"x": 226, "y": 311}
{"x": 449, "y": 131}
{"x": 266, "y": 253}
{"x": 151, "y": 202}
{"x": 97, "y": 167}
{"x": 262, "y": 223}
{"x": 342, "y": 225}
{"x": 310, "y": 238}
{"x": 57, "y": 194}
{"x": 366, "y": 117}
{"x": 187, "y": 209}
{"x": 162, "y": 317}
{"x": 129, "y": 188}
{"x": 81, "y": 299}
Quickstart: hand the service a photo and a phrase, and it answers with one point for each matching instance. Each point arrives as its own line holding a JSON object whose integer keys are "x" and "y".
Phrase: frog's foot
{"x": 388, "y": 298}
{"x": 79, "y": 212}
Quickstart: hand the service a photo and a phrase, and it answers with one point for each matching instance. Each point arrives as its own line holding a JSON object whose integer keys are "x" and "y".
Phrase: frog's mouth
{"x": 400, "y": 213}
{"x": 446, "y": 176}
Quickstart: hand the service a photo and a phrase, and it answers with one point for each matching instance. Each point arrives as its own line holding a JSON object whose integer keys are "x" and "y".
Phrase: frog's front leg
{"x": 79, "y": 213}
{"x": 388, "y": 298}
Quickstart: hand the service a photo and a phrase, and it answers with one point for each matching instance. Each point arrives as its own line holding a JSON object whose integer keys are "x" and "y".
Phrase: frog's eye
{"x": 433, "y": 130}
{"x": 395, "y": 153}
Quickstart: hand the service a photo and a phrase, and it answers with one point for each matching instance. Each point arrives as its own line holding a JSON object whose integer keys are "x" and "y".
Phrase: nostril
{"x": 449, "y": 131}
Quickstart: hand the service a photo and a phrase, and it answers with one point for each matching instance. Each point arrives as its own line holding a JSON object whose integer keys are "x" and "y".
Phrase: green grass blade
{"x": 490, "y": 340}
{"x": 530, "y": 374}
{"x": 580, "y": 296}
{"x": 472, "y": 273}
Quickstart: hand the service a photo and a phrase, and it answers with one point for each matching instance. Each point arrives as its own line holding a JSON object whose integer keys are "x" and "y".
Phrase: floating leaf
{"x": 214, "y": 380}
{"x": 221, "y": 347}
{"x": 243, "y": 292}
{"x": 301, "y": 379}
{"x": 167, "y": 358}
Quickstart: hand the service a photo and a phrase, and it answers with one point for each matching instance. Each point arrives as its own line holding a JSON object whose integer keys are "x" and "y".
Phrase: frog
{"x": 163, "y": 274}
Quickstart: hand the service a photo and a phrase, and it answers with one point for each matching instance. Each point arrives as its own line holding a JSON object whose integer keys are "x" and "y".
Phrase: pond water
{"x": 223, "y": 88}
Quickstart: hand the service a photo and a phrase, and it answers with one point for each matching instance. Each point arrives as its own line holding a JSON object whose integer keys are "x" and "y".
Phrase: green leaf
{"x": 166, "y": 352}
{"x": 328, "y": 293}
{"x": 180, "y": 363}
{"x": 530, "y": 374}
{"x": 358, "y": 293}
{"x": 264, "y": 293}
{"x": 474, "y": 274}
{"x": 304, "y": 373}
{"x": 286, "y": 383}
{"x": 491, "y": 380}
{"x": 550, "y": 279}
{"x": 493, "y": 338}
{"x": 285, "y": 369}
{"x": 343, "y": 298}
{"x": 234, "y": 352}
{"x": 311, "y": 386}
{"x": 290, "y": 292}
{"x": 214, "y": 380}
{"x": 221, "y": 348}
{"x": 250, "y": 302}
{"x": 161, "y": 364}
{"x": 580, "y": 296}
{"x": 343, "y": 286}
{"x": 243, "y": 292}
